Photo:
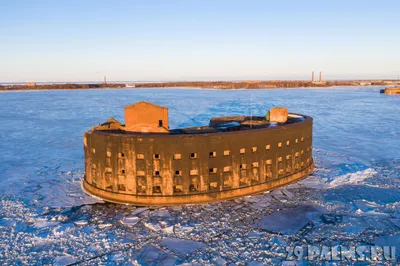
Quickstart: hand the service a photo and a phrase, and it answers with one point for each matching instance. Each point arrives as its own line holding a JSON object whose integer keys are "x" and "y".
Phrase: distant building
{"x": 391, "y": 90}
{"x": 31, "y": 84}
{"x": 320, "y": 81}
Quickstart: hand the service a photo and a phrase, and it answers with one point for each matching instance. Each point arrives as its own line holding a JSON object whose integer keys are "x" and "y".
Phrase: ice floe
{"x": 181, "y": 247}
{"x": 290, "y": 221}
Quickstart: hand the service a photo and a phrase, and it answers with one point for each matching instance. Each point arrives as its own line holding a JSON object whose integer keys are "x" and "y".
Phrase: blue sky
{"x": 197, "y": 40}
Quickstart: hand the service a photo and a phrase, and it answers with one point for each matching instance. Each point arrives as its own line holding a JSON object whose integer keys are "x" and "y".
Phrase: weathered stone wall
{"x": 164, "y": 169}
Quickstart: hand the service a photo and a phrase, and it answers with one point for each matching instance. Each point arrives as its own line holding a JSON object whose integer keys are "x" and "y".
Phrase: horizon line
{"x": 186, "y": 80}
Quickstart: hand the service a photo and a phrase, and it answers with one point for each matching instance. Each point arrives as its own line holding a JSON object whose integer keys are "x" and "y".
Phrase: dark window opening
{"x": 157, "y": 173}
{"x": 280, "y": 168}
{"x": 156, "y": 189}
{"x": 178, "y": 188}
{"x": 193, "y": 155}
{"x": 121, "y": 187}
{"x": 156, "y": 156}
{"x": 178, "y": 185}
{"x": 160, "y": 124}
{"x": 157, "y": 183}
{"x": 141, "y": 185}
{"x": 177, "y": 172}
{"x": 213, "y": 186}
{"x": 268, "y": 171}
{"x": 123, "y": 171}
{"x": 227, "y": 182}
{"x": 244, "y": 181}
{"x": 193, "y": 188}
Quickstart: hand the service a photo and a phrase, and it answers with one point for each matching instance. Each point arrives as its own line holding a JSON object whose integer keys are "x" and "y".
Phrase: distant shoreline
{"x": 215, "y": 85}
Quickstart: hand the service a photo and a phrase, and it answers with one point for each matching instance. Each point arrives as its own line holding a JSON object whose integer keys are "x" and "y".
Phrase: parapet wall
{"x": 167, "y": 169}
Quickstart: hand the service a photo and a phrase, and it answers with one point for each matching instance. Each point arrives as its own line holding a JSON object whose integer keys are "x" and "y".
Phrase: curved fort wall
{"x": 169, "y": 169}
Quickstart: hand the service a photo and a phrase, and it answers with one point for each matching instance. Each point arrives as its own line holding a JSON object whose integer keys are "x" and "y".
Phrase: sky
{"x": 149, "y": 40}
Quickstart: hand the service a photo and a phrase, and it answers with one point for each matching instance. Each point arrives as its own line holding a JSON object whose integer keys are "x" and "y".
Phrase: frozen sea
{"x": 353, "y": 197}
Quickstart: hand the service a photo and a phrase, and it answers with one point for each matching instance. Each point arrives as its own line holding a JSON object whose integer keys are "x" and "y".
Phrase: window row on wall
{"x": 297, "y": 159}
{"x": 212, "y": 154}
{"x": 284, "y": 166}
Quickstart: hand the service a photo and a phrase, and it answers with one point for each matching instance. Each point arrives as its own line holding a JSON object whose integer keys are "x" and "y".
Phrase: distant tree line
{"x": 68, "y": 86}
{"x": 224, "y": 85}
{"x": 234, "y": 85}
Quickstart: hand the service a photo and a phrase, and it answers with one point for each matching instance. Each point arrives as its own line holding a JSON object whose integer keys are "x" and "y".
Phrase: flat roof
{"x": 224, "y": 124}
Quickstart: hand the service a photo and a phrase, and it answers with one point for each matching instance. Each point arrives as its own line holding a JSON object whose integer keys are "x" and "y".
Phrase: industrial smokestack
{"x": 320, "y": 76}
{"x": 105, "y": 80}
{"x": 312, "y": 77}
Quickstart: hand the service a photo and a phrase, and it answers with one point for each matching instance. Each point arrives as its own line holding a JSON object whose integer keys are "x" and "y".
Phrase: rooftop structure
{"x": 146, "y": 117}
{"x": 145, "y": 163}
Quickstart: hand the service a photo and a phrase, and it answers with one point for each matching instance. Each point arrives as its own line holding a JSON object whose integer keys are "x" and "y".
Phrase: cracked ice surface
{"x": 351, "y": 199}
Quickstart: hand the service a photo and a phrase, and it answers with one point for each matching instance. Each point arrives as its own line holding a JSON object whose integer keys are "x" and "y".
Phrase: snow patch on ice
{"x": 351, "y": 178}
{"x": 41, "y": 223}
{"x": 64, "y": 260}
{"x": 130, "y": 220}
{"x": 153, "y": 227}
{"x": 139, "y": 211}
{"x": 81, "y": 222}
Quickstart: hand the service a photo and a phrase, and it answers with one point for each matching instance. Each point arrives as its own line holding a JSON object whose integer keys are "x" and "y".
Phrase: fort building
{"x": 394, "y": 90}
{"x": 143, "y": 162}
